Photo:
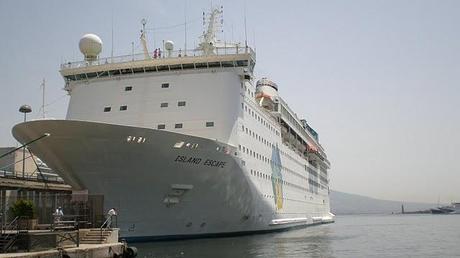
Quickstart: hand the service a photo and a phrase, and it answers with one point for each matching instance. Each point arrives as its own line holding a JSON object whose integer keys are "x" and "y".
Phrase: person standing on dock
{"x": 58, "y": 215}
{"x": 112, "y": 212}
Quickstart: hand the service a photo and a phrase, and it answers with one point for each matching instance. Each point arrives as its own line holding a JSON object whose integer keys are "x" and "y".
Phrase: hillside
{"x": 345, "y": 203}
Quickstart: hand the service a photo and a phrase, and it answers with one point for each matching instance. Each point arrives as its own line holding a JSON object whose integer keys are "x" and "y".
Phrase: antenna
{"x": 254, "y": 39}
{"x": 185, "y": 25}
{"x": 245, "y": 30}
{"x": 111, "y": 52}
{"x": 222, "y": 18}
{"x": 42, "y": 86}
{"x": 132, "y": 49}
{"x": 232, "y": 33}
{"x": 143, "y": 22}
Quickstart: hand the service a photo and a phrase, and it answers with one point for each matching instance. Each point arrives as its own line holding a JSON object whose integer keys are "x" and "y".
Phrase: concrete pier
{"x": 83, "y": 251}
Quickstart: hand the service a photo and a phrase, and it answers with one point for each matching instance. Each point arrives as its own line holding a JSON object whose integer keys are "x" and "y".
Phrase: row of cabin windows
{"x": 259, "y": 118}
{"x": 122, "y": 108}
{"x": 292, "y": 158}
{"x": 266, "y": 124}
{"x": 163, "y": 86}
{"x": 180, "y": 125}
{"x": 257, "y": 137}
{"x": 265, "y": 142}
{"x": 164, "y": 104}
{"x": 130, "y": 88}
{"x": 247, "y": 90}
{"x": 269, "y": 161}
{"x": 270, "y": 177}
{"x": 258, "y": 156}
{"x": 179, "y": 104}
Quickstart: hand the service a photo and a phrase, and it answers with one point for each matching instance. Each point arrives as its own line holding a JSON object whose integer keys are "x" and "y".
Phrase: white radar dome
{"x": 169, "y": 45}
{"x": 90, "y": 46}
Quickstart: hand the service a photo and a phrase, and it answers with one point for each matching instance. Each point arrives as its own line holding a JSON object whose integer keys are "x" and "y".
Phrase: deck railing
{"x": 219, "y": 51}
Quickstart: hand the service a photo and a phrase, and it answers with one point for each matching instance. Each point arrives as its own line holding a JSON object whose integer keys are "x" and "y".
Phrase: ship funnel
{"x": 90, "y": 46}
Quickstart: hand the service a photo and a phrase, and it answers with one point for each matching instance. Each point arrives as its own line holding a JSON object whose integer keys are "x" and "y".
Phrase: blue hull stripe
{"x": 139, "y": 239}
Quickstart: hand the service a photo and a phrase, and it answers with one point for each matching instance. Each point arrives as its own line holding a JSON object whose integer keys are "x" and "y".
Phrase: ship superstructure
{"x": 185, "y": 143}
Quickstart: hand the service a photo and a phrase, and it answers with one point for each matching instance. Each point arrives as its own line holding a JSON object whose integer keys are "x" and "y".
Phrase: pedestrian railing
{"x": 107, "y": 225}
{"x": 9, "y": 235}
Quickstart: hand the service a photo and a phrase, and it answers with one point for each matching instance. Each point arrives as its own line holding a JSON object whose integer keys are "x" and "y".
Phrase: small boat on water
{"x": 454, "y": 208}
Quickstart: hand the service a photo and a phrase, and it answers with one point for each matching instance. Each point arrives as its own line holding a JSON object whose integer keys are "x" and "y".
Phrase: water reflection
{"x": 307, "y": 242}
{"x": 351, "y": 236}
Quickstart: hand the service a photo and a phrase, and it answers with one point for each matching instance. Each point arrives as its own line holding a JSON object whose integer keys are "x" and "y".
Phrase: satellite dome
{"x": 169, "y": 45}
{"x": 90, "y": 46}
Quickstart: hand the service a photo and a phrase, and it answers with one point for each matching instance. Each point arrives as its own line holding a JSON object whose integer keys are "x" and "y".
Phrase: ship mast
{"x": 143, "y": 40}
{"x": 209, "y": 37}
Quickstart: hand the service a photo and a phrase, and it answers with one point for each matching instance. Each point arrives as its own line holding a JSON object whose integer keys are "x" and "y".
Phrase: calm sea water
{"x": 351, "y": 236}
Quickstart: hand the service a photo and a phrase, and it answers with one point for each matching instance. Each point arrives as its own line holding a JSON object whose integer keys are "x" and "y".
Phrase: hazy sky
{"x": 379, "y": 80}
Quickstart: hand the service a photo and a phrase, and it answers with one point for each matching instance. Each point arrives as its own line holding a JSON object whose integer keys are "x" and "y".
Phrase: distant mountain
{"x": 345, "y": 203}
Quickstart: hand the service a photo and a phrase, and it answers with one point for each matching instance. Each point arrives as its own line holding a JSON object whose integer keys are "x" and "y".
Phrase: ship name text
{"x": 200, "y": 161}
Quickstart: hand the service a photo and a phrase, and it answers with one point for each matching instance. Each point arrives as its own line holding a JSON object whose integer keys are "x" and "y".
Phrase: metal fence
{"x": 84, "y": 208}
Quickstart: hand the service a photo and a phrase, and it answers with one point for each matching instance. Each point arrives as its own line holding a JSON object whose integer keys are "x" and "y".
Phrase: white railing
{"x": 219, "y": 51}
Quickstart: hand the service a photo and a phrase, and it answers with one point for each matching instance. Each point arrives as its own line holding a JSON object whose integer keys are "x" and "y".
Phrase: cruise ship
{"x": 185, "y": 143}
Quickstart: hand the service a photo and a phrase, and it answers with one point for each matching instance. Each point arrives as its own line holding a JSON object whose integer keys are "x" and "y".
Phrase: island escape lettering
{"x": 198, "y": 161}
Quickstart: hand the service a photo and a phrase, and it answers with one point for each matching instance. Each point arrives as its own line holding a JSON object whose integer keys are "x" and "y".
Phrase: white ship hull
{"x": 161, "y": 191}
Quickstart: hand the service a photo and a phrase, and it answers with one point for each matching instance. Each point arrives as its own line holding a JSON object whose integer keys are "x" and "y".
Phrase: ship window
{"x": 209, "y": 124}
{"x": 161, "y": 126}
{"x": 164, "y": 104}
{"x": 123, "y": 108}
{"x": 165, "y": 85}
{"x": 178, "y": 125}
{"x": 107, "y": 109}
{"x": 181, "y": 103}
{"x": 128, "y": 88}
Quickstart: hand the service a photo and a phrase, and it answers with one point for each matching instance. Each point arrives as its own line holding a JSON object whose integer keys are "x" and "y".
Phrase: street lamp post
{"x": 24, "y": 109}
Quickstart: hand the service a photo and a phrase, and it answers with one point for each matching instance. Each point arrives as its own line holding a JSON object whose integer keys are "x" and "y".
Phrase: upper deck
{"x": 176, "y": 60}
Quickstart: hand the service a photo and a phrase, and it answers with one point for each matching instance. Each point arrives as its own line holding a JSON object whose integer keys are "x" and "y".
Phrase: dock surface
{"x": 84, "y": 250}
